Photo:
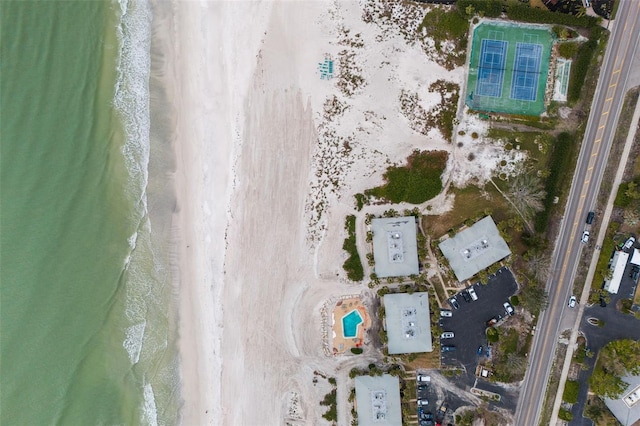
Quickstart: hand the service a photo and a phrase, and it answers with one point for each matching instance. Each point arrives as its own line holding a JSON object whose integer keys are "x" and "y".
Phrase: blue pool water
{"x": 350, "y": 324}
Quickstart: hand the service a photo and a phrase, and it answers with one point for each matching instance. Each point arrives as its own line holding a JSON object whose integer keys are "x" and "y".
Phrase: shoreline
{"x": 202, "y": 83}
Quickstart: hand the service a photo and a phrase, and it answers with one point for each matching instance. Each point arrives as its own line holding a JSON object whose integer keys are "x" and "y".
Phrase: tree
{"x": 533, "y": 297}
{"x": 527, "y": 194}
{"x": 616, "y": 359}
{"x": 538, "y": 265}
{"x": 516, "y": 364}
{"x": 607, "y": 385}
{"x": 632, "y": 191}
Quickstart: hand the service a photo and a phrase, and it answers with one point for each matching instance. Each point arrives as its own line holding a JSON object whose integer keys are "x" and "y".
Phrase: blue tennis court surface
{"x": 526, "y": 71}
{"x": 491, "y": 68}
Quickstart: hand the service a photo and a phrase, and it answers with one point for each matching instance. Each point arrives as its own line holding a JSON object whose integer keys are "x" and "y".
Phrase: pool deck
{"x": 339, "y": 343}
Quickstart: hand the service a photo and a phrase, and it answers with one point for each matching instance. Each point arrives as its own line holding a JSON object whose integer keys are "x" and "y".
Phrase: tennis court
{"x": 508, "y": 67}
{"x": 491, "y": 69}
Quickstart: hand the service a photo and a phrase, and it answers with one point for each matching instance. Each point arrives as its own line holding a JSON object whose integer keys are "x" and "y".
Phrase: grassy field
{"x": 470, "y": 203}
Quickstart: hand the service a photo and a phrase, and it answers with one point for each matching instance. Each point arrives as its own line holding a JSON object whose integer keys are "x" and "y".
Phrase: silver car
{"x": 447, "y": 335}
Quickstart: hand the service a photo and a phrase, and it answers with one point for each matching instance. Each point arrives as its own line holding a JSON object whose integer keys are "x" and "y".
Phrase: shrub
{"x": 356, "y": 351}
{"x": 490, "y": 8}
{"x": 515, "y": 301}
{"x": 571, "y": 389}
{"x": 581, "y": 65}
{"x": 353, "y": 265}
{"x": 518, "y": 11}
{"x": 565, "y": 415}
{"x": 567, "y": 50}
{"x": 559, "y": 166}
{"x": 492, "y": 335}
{"x": 418, "y": 181}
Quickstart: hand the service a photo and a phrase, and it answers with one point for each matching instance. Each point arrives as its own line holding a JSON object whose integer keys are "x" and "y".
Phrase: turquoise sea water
{"x": 86, "y": 324}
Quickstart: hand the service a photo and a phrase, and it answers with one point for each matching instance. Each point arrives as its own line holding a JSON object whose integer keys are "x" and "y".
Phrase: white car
{"x": 447, "y": 335}
{"x": 629, "y": 243}
{"x": 585, "y": 236}
{"x": 472, "y": 293}
{"x": 572, "y": 302}
{"x": 508, "y": 308}
{"x": 447, "y": 314}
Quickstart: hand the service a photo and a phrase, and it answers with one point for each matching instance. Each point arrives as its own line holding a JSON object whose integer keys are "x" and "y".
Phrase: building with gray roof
{"x": 378, "y": 400}
{"x": 407, "y": 322}
{"x": 395, "y": 249}
{"x": 475, "y": 248}
{"x": 627, "y": 407}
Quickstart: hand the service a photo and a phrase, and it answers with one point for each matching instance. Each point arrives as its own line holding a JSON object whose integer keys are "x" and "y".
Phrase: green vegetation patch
{"x": 447, "y": 25}
{"x": 489, "y": 8}
{"x": 420, "y": 180}
{"x": 565, "y": 414}
{"x": 519, "y": 11}
{"x": 571, "y": 389}
{"x": 444, "y": 114}
{"x": 560, "y": 168}
{"x": 606, "y": 251}
{"x": 492, "y": 335}
{"x": 353, "y": 265}
{"x": 629, "y": 194}
{"x": 581, "y": 65}
{"x": 568, "y": 50}
{"x": 443, "y": 25}
{"x": 616, "y": 359}
{"x": 330, "y": 400}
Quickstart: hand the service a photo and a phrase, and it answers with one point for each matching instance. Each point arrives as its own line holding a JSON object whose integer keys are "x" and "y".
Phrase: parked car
{"x": 447, "y": 314}
{"x": 472, "y": 293}
{"x": 454, "y": 303}
{"x": 572, "y": 302}
{"x": 424, "y": 378}
{"x": 585, "y": 236}
{"x": 423, "y": 402}
{"x": 508, "y": 308}
{"x": 629, "y": 243}
{"x": 447, "y": 335}
{"x": 466, "y": 296}
{"x": 635, "y": 272}
{"x": 480, "y": 350}
{"x": 447, "y": 348}
{"x": 590, "y": 217}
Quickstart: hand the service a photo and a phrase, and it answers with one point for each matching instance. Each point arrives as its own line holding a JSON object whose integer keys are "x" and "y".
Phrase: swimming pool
{"x": 350, "y": 324}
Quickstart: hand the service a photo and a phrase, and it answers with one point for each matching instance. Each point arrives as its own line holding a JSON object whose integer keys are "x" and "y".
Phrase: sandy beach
{"x": 266, "y": 172}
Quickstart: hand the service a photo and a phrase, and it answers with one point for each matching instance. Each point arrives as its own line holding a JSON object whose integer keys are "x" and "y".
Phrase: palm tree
{"x": 527, "y": 193}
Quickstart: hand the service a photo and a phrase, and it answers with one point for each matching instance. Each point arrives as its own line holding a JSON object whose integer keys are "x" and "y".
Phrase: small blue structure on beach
{"x": 326, "y": 68}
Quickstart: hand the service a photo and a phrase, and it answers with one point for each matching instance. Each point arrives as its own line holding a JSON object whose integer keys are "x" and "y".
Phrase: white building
{"x": 378, "y": 400}
{"x": 618, "y": 264}
{"x": 395, "y": 248}
{"x": 407, "y": 322}
{"x": 475, "y": 248}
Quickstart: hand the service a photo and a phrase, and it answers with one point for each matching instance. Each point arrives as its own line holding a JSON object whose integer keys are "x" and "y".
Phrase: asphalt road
{"x": 601, "y": 127}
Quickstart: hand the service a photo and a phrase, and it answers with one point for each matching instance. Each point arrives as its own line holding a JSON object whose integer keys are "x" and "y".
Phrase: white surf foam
{"x": 133, "y": 341}
{"x": 150, "y": 411}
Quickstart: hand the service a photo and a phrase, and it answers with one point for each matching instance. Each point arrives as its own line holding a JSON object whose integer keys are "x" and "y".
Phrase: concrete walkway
{"x": 594, "y": 262}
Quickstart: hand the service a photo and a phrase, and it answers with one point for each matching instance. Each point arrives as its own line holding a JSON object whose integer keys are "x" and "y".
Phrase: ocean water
{"x": 87, "y": 321}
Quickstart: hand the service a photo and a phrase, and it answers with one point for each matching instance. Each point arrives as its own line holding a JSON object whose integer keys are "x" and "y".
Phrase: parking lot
{"x": 469, "y": 321}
